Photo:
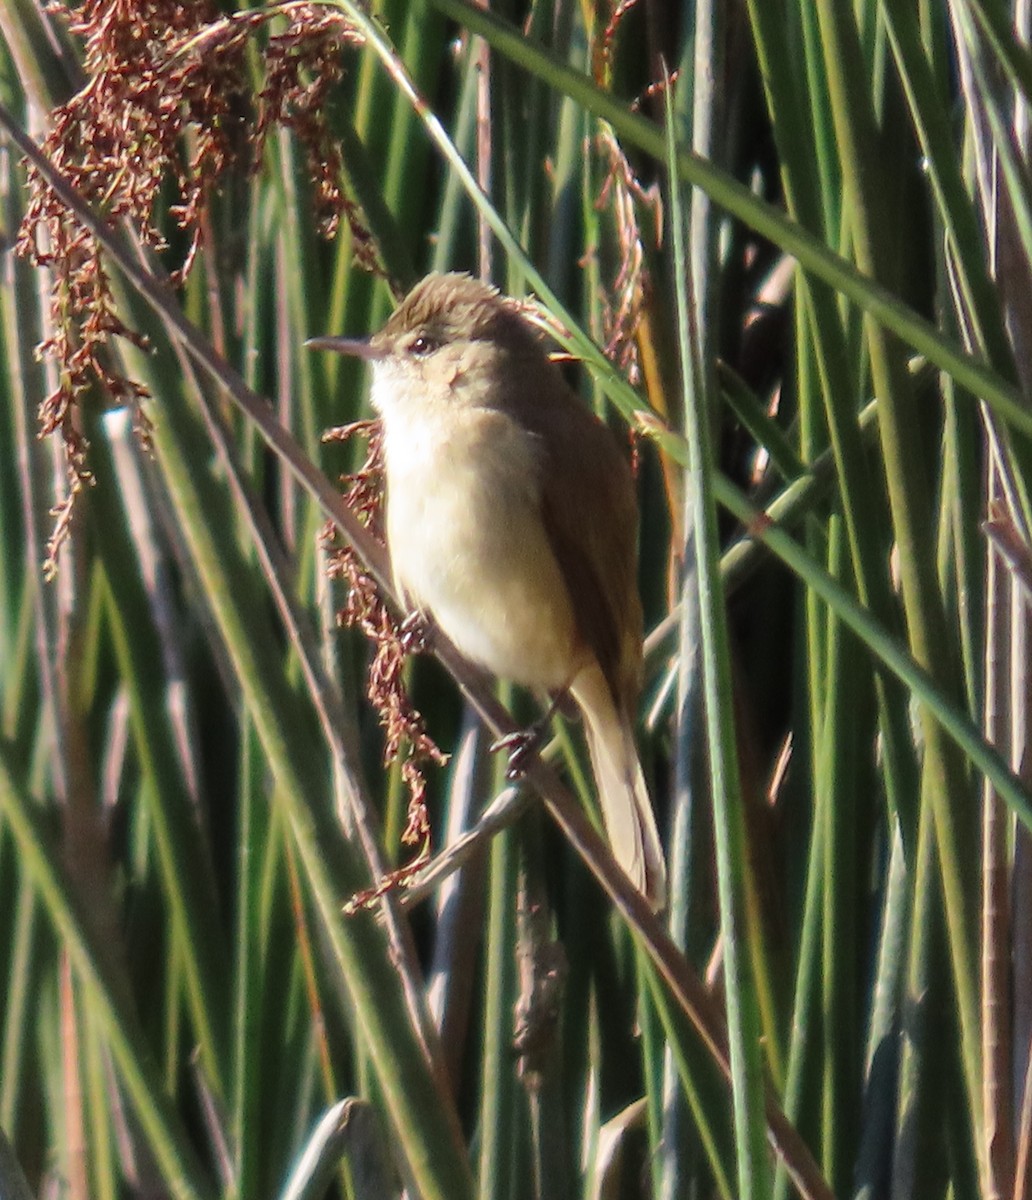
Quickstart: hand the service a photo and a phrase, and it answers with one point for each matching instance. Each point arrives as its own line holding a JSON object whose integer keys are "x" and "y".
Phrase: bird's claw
{"x": 414, "y": 634}
{"x": 520, "y": 745}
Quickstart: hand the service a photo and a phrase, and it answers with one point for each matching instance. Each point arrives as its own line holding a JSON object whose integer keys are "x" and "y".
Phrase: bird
{"x": 511, "y": 524}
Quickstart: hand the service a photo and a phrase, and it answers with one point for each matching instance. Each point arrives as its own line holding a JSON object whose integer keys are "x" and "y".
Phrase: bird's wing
{"x": 590, "y": 517}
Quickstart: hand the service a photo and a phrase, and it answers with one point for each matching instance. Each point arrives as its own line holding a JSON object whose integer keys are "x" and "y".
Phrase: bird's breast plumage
{"x": 468, "y": 545}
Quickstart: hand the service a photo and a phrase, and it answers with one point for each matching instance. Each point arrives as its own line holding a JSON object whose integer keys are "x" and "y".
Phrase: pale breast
{"x": 468, "y": 545}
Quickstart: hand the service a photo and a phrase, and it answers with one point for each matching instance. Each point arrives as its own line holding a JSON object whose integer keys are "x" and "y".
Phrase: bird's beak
{"x": 355, "y": 347}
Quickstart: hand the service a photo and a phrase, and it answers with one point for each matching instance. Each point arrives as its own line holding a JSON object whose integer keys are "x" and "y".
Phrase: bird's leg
{"x": 522, "y": 743}
{"x": 415, "y": 633}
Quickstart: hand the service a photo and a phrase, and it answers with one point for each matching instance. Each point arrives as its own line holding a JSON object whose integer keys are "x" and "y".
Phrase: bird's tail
{"x": 626, "y": 807}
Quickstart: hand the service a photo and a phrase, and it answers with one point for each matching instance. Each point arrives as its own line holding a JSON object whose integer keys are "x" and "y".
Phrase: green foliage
{"x": 800, "y": 273}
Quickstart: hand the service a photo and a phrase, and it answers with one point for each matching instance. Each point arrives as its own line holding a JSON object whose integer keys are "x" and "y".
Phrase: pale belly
{"x": 468, "y": 547}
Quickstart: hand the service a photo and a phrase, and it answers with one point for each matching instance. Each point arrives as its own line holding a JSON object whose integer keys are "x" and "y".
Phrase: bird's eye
{"x": 422, "y": 345}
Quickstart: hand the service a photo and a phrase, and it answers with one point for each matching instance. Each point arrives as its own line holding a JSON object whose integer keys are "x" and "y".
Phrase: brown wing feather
{"x": 590, "y": 515}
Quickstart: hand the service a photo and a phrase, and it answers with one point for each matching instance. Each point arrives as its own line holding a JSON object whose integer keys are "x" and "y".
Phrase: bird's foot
{"x": 520, "y": 745}
{"x": 415, "y": 634}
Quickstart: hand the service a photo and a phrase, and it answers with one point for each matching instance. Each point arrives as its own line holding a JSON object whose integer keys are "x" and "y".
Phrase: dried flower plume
{"x": 167, "y": 101}
{"x": 404, "y": 730}
{"x": 626, "y": 199}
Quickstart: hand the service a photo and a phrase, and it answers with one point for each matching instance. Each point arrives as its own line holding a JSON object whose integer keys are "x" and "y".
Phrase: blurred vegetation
{"x": 800, "y": 273}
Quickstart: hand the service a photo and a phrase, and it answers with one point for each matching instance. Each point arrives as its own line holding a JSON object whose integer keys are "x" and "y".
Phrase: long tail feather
{"x": 626, "y": 807}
